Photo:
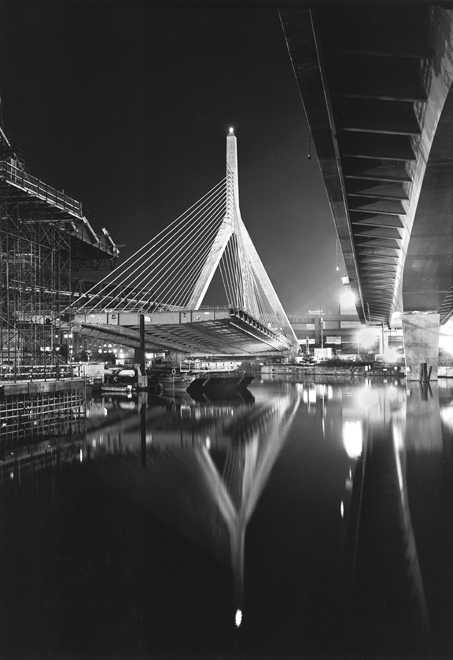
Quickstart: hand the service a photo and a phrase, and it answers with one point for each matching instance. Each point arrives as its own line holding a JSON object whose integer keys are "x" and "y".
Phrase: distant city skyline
{"x": 126, "y": 106}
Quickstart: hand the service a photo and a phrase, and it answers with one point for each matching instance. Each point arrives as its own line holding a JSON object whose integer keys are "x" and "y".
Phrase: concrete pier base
{"x": 421, "y": 345}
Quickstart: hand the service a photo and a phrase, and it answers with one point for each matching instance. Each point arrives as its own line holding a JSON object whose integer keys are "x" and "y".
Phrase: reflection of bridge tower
{"x": 183, "y": 485}
{"x": 246, "y": 471}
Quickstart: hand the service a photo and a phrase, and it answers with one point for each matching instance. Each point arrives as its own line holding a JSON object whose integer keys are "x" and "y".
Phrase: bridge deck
{"x": 202, "y": 332}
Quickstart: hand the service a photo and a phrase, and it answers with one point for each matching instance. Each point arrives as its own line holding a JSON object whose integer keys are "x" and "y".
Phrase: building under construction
{"x": 44, "y": 240}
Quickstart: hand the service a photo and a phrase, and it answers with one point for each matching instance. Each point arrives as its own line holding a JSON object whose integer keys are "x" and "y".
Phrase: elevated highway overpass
{"x": 375, "y": 81}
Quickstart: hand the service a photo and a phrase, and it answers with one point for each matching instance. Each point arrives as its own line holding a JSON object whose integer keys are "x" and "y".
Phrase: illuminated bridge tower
{"x": 233, "y": 236}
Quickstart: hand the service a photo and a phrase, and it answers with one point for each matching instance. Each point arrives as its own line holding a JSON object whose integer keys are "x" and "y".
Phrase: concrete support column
{"x": 421, "y": 344}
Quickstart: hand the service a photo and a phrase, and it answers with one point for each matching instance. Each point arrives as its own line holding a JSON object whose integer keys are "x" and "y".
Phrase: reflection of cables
{"x": 309, "y": 145}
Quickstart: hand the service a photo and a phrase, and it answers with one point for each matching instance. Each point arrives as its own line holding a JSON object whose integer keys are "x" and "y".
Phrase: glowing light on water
{"x": 367, "y": 398}
{"x": 238, "y": 618}
{"x": 352, "y": 438}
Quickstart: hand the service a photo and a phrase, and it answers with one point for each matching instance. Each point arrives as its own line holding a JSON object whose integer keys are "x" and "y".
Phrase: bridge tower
{"x": 249, "y": 267}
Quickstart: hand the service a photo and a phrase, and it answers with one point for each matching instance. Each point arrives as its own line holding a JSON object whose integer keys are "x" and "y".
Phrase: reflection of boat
{"x": 219, "y": 382}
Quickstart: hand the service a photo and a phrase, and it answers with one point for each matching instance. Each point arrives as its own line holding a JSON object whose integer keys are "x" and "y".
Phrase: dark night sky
{"x": 126, "y": 106}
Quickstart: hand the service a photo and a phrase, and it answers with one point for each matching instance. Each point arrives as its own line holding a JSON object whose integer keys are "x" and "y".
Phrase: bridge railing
{"x": 28, "y": 183}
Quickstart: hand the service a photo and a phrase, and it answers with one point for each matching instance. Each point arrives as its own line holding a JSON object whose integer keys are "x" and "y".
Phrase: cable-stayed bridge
{"x": 160, "y": 289}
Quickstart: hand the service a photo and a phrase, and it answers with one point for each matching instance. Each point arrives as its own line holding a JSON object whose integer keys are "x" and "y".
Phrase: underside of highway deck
{"x": 375, "y": 81}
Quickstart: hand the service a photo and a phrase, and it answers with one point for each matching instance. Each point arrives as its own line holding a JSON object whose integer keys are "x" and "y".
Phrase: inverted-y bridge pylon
{"x": 170, "y": 275}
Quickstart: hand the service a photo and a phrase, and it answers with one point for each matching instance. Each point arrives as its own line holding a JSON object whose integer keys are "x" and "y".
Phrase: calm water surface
{"x": 307, "y": 520}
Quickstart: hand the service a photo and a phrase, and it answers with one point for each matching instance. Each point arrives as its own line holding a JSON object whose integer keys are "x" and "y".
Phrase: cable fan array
{"x": 165, "y": 272}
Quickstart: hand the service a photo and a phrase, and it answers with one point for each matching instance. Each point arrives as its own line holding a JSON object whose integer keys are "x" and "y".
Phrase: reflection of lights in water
{"x": 446, "y": 415}
{"x": 11, "y": 475}
{"x": 398, "y": 442}
{"x": 392, "y": 393}
{"x": 81, "y": 455}
{"x": 238, "y": 618}
{"x": 342, "y": 509}
{"x": 352, "y": 438}
{"x": 367, "y": 398}
{"x": 208, "y": 443}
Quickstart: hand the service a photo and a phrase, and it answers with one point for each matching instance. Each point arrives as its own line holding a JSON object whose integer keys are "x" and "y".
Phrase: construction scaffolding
{"x": 44, "y": 240}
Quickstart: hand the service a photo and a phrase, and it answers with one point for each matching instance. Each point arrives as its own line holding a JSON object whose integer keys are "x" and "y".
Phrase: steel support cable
{"x": 180, "y": 243}
{"x": 194, "y": 275}
{"x": 185, "y": 252}
{"x": 178, "y": 220}
{"x": 120, "y": 270}
{"x": 239, "y": 266}
{"x": 173, "y": 291}
{"x": 224, "y": 262}
{"x": 237, "y": 272}
{"x": 244, "y": 260}
{"x": 190, "y": 274}
{"x": 230, "y": 272}
{"x": 194, "y": 270}
{"x": 159, "y": 256}
{"x": 161, "y": 289}
{"x": 261, "y": 301}
{"x": 268, "y": 306}
{"x": 225, "y": 274}
{"x": 231, "y": 289}
{"x": 268, "y": 313}
{"x": 225, "y": 279}
{"x": 154, "y": 256}
{"x": 200, "y": 246}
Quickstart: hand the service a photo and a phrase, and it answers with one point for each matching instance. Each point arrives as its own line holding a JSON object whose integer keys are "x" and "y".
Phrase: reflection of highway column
{"x": 244, "y": 477}
{"x": 419, "y": 431}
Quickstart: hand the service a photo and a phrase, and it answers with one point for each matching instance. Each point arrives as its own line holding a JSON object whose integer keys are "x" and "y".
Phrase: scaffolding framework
{"x": 44, "y": 239}
{"x": 35, "y": 276}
